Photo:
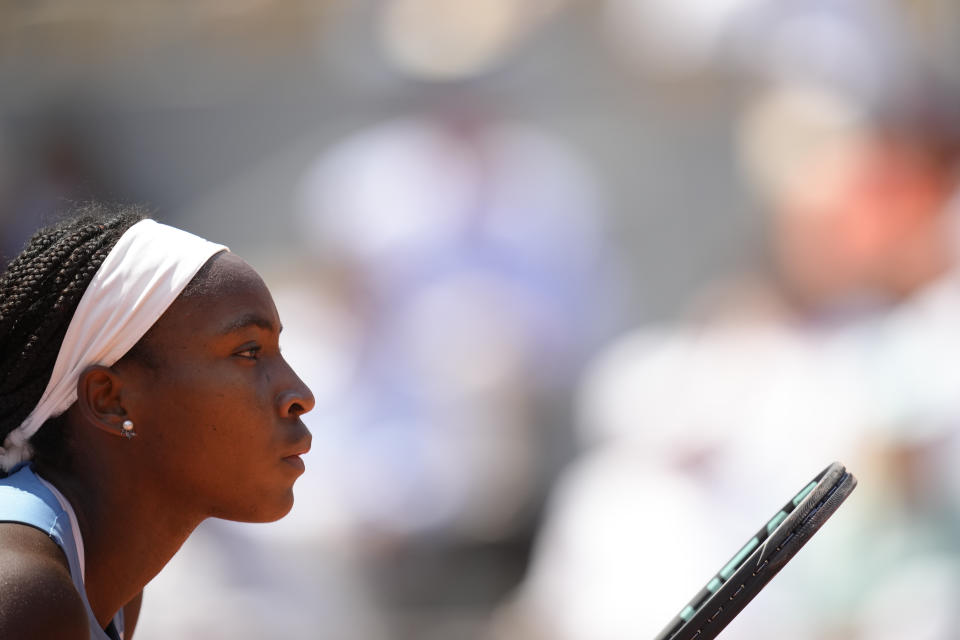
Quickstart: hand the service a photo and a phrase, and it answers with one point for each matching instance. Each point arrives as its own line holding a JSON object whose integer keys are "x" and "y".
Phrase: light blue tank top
{"x": 25, "y": 499}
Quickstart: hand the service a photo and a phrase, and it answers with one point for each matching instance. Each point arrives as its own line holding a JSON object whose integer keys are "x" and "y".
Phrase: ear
{"x": 100, "y": 400}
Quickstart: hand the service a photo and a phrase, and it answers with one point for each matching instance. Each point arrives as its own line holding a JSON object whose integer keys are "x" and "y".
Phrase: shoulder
{"x": 37, "y": 596}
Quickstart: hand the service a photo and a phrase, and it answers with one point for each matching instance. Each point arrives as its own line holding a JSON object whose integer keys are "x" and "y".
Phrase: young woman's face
{"x": 217, "y": 409}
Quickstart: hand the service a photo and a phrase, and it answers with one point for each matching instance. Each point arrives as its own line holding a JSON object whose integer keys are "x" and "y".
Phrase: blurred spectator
{"x": 473, "y": 253}
{"x": 847, "y": 350}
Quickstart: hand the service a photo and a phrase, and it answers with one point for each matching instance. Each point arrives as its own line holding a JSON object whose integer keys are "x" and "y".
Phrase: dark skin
{"x": 217, "y": 414}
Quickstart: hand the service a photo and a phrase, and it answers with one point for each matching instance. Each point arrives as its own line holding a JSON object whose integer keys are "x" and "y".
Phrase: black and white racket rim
{"x": 762, "y": 557}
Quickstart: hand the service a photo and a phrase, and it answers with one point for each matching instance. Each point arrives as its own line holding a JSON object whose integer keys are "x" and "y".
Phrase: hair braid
{"x": 39, "y": 292}
{"x": 76, "y": 269}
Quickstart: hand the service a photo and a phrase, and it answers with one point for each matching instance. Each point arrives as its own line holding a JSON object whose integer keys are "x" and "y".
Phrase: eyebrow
{"x": 248, "y": 320}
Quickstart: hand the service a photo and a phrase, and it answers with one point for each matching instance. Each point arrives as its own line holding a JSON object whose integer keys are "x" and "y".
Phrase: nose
{"x": 296, "y": 399}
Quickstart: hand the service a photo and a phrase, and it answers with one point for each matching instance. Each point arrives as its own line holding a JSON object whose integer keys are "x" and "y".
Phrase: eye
{"x": 251, "y": 353}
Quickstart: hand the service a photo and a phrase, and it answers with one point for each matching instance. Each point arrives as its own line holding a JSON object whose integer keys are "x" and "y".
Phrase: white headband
{"x": 142, "y": 275}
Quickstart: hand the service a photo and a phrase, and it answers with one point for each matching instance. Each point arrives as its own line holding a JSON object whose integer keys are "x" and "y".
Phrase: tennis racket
{"x": 761, "y": 558}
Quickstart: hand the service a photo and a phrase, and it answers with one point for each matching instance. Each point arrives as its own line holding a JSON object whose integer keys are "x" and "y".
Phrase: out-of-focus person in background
{"x": 845, "y": 348}
{"x": 860, "y": 196}
{"x": 470, "y": 244}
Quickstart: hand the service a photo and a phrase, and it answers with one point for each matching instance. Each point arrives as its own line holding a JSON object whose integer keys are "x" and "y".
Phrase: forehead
{"x": 226, "y": 290}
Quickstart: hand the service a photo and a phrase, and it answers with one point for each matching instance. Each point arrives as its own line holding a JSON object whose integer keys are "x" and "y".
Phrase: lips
{"x": 302, "y": 447}
{"x": 299, "y": 451}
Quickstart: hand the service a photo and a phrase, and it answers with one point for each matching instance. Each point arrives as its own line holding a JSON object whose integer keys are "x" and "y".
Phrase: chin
{"x": 263, "y": 512}
{"x": 282, "y": 512}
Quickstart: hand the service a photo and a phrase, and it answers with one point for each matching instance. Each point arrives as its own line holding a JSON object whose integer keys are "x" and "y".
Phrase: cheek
{"x": 205, "y": 383}
{"x": 216, "y": 406}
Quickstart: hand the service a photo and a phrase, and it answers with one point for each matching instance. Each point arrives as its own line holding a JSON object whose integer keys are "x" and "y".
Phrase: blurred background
{"x": 585, "y": 289}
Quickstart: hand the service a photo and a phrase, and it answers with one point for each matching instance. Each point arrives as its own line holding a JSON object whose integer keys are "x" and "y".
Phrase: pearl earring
{"x": 128, "y": 431}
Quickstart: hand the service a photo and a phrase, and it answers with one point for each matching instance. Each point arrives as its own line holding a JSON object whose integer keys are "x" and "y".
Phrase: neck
{"x": 127, "y": 536}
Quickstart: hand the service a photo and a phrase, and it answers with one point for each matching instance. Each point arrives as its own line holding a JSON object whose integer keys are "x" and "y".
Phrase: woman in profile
{"x": 142, "y": 390}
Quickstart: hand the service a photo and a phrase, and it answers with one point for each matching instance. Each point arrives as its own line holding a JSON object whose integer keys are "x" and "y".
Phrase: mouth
{"x": 294, "y": 459}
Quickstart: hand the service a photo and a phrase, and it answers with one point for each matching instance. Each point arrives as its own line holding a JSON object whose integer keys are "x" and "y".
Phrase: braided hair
{"x": 39, "y": 293}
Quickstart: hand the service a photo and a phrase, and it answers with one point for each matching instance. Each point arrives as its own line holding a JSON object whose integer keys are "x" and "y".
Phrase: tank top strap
{"x": 26, "y": 499}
